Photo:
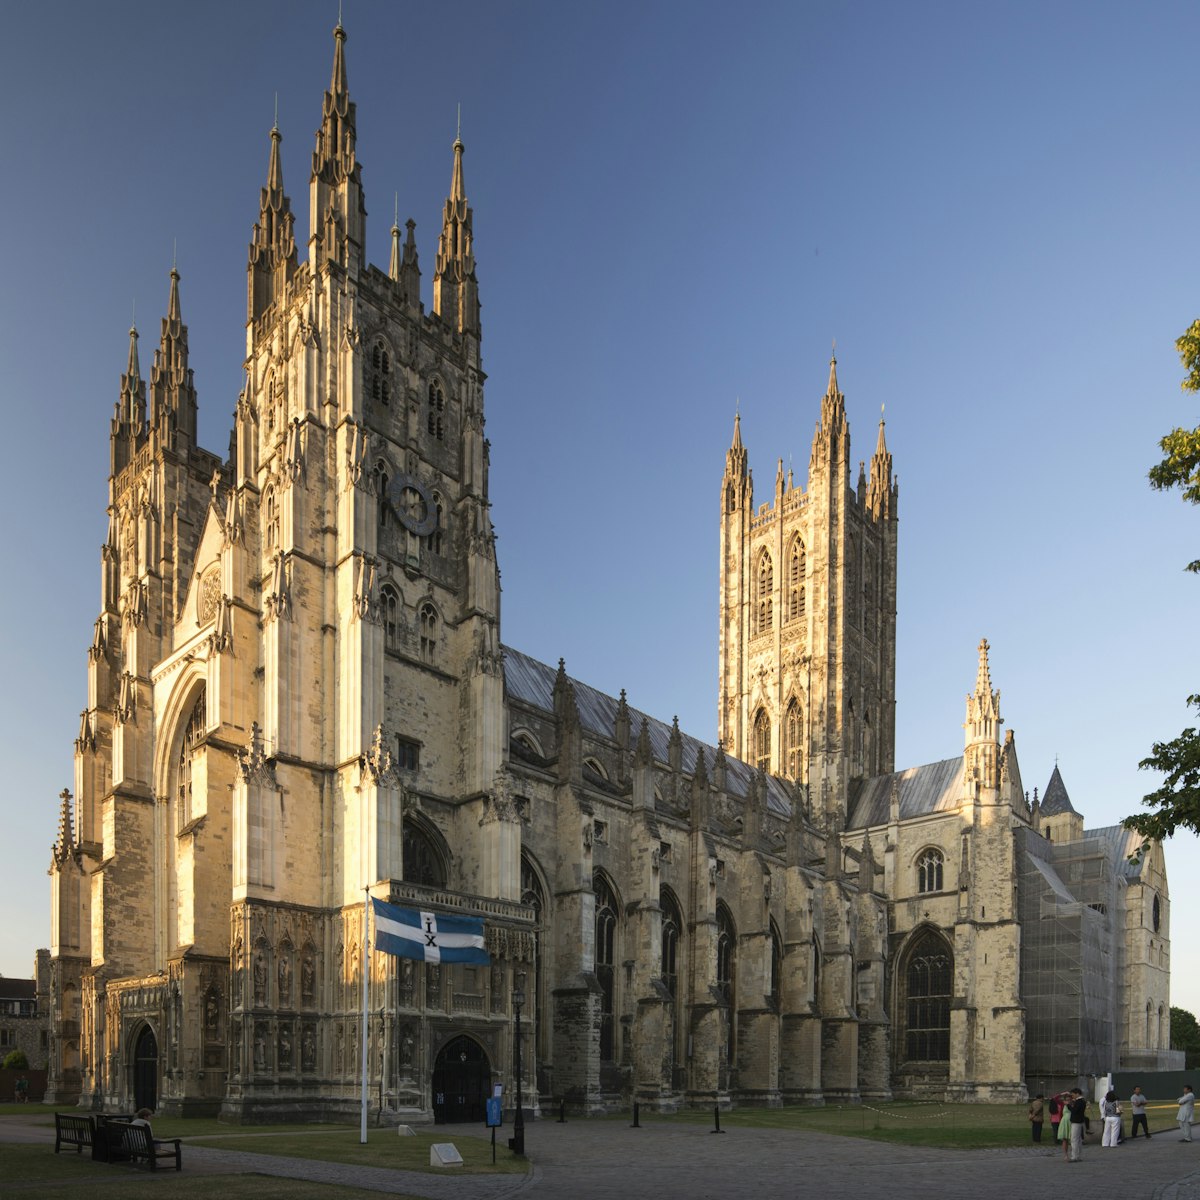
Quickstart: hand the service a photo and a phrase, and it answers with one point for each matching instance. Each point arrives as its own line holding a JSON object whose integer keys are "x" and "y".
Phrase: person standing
{"x": 1137, "y": 1102}
{"x": 1056, "y": 1112}
{"x": 1187, "y": 1104}
{"x": 1078, "y": 1110}
{"x": 1037, "y": 1115}
{"x": 1110, "y": 1110}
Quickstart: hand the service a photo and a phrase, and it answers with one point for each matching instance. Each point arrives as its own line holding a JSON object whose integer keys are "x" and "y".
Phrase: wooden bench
{"x": 140, "y": 1145}
{"x": 72, "y": 1130}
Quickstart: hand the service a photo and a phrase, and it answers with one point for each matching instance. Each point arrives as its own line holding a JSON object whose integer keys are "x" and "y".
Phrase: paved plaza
{"x": 608, "y": 1160}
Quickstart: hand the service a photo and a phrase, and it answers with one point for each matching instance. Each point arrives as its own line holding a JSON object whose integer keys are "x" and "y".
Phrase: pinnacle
{"x": 983, "y": 680}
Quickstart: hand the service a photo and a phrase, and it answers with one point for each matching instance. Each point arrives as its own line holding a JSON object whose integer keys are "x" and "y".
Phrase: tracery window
{"x": 793, "y": 729}
{"x": 928, "y": 983}
{"x": 429, "y": 632}
{"x": 775, "y": 991}
{"x": 381, "y": 374}
{"x": 727, "y": 977}
{"x": 389, "y": 602}
{"x": 435, "y": 420}
{"x": 422, "y": 862}
{"x": 672, "y": 926}
{"x": 193, "y": 736}
{"x": 379, "y": 484}
{"x": 764, "y": 611}
{"x": 929, "y": 871}
{"x": 533, "y": 895}
{"x": 762, "y": 740}
{"x": 797, "y": 569}
{"x": 270, "y": 520}
{"x": 606, "y": 963}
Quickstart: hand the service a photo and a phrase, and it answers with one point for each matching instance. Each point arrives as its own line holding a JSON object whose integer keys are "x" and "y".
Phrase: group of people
{"x": 1069, "y": 1119}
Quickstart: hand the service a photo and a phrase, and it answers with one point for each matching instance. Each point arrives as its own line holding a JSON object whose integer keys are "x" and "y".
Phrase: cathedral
{"x": 298, "y": 697}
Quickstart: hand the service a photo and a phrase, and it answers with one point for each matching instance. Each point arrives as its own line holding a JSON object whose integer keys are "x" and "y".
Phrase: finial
{"x": 833, "y": 351}
{"x": 174, "y": 254}
{"x": 133, "y": 318}
{"x": 396, "y": 216}
{"x": 458, "y": 129}
{"x": 339, "y": 24}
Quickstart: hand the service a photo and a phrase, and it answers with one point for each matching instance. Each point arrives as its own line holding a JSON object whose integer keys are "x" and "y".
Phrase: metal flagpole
{"x": 366, "y": 979}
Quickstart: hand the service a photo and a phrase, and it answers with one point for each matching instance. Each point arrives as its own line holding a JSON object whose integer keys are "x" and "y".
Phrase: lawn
{"x": 37, "y": 1173}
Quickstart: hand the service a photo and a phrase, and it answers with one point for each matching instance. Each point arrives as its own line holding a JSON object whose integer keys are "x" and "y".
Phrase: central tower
{"x": 807, "y": 649}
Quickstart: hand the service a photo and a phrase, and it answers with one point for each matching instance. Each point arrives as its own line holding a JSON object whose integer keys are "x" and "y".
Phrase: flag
{"x": 428, "y": 936}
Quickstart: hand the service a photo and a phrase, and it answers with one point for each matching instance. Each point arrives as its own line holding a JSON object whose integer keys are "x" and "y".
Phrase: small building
{"x": 25, "y": 1013}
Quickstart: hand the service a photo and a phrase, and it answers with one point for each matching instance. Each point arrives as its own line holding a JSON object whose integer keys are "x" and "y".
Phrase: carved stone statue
{"x": 260, "y": 979}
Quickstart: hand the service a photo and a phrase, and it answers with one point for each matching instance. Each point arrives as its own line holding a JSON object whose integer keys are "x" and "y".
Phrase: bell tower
{"x": 807, "y": 647}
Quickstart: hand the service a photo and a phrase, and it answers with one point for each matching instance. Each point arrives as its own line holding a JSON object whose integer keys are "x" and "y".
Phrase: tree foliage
{"x": 1177, "y": 801}
{"x": 15, "y": 1060}
{"x": 1185, "y": 1036}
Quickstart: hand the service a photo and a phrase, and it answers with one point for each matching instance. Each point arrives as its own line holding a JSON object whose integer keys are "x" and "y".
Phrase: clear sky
{"x": 677, "y": 207}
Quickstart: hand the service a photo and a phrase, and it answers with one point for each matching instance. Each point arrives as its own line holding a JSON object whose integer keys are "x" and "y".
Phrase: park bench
{"x": 72, "y": 1130}
{"x": 138, "y": 1144}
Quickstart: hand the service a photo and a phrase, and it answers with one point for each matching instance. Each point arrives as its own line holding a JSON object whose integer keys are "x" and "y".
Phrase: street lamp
{"x": 516, "y": 1143}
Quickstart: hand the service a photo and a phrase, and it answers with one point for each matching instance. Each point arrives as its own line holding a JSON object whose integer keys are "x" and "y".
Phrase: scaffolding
{"x": 1070, "y": 904}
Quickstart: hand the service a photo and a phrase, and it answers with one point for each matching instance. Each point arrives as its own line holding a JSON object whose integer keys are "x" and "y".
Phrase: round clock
{"x": 413, "y": 506}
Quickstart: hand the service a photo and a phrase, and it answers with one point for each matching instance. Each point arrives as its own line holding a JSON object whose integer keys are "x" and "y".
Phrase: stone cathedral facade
{"x": 297, "y": 695}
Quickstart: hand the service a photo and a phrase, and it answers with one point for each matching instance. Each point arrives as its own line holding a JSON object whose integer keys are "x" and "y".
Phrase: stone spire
{"x": 337, "y": 215}
{"x": 172, "y": 393}
{"x": 272, "y": 261}
{"x": 394, "y": 263}
{"x": 129, "y": 413}
{"x": 455, "y": 288}
{"x": 880, "y": 494}
{"x": 64, "y": 845}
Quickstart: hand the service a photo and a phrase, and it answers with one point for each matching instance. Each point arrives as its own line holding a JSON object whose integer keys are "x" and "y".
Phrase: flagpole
{"x": 366, "y": 981}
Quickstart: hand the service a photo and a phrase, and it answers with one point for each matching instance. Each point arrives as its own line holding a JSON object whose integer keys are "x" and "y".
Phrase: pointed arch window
{"x": 435, "y": 418}
{"x": 389, "y": 602}
{"x": 928, "y": 980}
{"x": 381, "y": 373}
{"x": 794, "y": 740}
{"x": 429, "y": 632}
{"x": 271, "y": 520}
{"x": 727, "y": 978}
{"x": 435, "y": 538}
{"x": 775, "y": 990}
{"x": 672, "y": 929}
{"x": 423, "y": 863}
{"x": 930, "y": 869}
{"x": 193, "y": 736}
{"x": 762, "y": 740}
{"x": 606, "y": 964}
{"x": 797, "y": 571}
{"x": 764, "y": 604}
{"x": 533, "y": 895}
{"x": 379, "y": 485}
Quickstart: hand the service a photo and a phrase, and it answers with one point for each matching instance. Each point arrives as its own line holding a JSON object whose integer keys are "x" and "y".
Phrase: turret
{"x": 272, "y": 260}
{"x": 881, "y": 490}
{"x": 982, "y": 727}
{"x": 172, "y": 394}
{"x": 455, "y": 288}
{"x": 129, "y": 413}
{"x": 337, "y": 216}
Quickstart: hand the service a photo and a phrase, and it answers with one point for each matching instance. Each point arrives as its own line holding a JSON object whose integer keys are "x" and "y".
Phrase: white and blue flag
{"x": 428, "y": 936}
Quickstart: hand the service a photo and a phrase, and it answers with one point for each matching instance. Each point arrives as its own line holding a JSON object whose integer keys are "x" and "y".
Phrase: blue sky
{"x": 677, "y": 208}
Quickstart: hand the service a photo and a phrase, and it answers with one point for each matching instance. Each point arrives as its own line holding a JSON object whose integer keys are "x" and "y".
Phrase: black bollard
{"x": 562, "y": 1112}
{"x": 717, "y": 1119}
{"x": 635, "y": 1124}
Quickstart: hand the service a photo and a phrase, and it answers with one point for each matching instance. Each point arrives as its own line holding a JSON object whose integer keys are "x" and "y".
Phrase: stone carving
{"x": 285, "y": 980}
{"x": 308, "y": 1050}
{"x": 308, "y": 980}
{"x": 260, "y": 979}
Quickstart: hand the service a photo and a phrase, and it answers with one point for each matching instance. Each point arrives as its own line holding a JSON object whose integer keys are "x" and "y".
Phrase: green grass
{"x": 907, "y": 1123}
{"x": 37, "y": 1173}
{"x": 384, "y": 1148}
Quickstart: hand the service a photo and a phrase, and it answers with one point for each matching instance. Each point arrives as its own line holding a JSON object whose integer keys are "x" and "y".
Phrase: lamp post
{"x": 516, "y": 1143}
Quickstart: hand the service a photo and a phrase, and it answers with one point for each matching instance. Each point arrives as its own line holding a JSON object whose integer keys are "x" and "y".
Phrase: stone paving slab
{"x": 607, "y": 1160}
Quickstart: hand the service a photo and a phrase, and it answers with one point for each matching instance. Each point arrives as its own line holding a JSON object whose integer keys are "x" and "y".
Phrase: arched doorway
{"x": 462, "y": 1081}
{"x": 145, "y": 1070}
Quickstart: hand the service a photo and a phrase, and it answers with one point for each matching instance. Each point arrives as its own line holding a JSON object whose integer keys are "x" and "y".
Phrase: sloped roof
{"x": 934, "y": 787}
{"x": 1121, "y": 843}
{"x": 532, "y": 682}
{"x": 1056, "y": 800}
{"x": 17, "y": 989}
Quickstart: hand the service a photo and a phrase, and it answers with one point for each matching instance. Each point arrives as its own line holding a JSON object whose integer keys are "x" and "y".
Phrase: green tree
{"x": 1177, "y": 801}
{"x": 15, "y": 1060}
{"x": 1185, "y": 1036}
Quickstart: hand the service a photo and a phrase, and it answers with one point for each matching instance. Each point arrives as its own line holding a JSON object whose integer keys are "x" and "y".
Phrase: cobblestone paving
{"x": 607, "y": 1160}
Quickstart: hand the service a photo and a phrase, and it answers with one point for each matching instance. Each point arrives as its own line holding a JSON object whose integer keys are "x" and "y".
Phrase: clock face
{"x": 410, "y": 501}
